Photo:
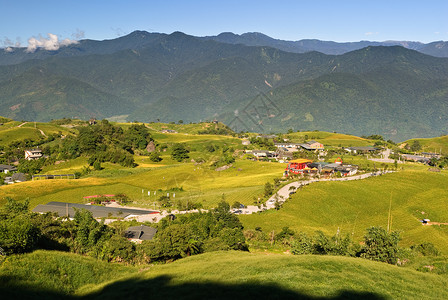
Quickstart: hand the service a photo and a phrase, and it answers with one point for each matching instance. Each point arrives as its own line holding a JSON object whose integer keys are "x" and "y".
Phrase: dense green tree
{"x": 138, "y": 136}
{"x": 118, "y": 248}
{"x": 174, "y": 241}
{"x": 380, "y": 245}
{"x": 89, "y": 232}
{"x": 415, "y": 146}
{"x": 18, "y": 234}
{"x": 268, "y": 189}
{"x": 179, "y": 152}
{"x": 155, "y": 157}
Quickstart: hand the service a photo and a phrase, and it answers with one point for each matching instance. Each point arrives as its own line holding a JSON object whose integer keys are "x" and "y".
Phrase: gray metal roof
{"x": 366, "y": 148}
{"x": 140, "y": 232}
{"x": 63, "y": 208}
{"x": 8, "y": 167}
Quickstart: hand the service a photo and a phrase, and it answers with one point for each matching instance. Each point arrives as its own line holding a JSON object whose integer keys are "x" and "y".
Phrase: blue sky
{"x": 337, "y": 20}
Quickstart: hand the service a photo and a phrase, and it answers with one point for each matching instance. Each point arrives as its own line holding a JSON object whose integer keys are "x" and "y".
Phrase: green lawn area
{"x": 353, "y": 206}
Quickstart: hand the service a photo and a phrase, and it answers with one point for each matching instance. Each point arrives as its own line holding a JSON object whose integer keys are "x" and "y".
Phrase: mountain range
{"x": 251, "y": 82}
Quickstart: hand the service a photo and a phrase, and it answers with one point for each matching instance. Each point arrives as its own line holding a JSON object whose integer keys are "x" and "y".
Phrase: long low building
{"x": 64, "y": 209}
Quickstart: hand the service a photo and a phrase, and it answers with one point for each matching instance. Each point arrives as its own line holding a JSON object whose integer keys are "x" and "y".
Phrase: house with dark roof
{"x": 364, "y": 150}
{"x": 64, "y": 209}
{"x": 15, "y": 178}
{"x": 138, "y": 234}
{"x": 7, "y": 169}
{"x": 312, "y": 146}
{"x": 416, "y": 158}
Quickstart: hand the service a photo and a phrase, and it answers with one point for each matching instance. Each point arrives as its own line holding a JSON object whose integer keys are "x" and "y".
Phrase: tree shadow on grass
{"x": 162, "y": 288}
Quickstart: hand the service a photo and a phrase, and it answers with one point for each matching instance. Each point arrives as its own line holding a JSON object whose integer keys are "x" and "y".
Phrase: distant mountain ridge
{"x": 141, "y": 39}
{"x": 389, "y": 90}
{"x": 307, "y": 45}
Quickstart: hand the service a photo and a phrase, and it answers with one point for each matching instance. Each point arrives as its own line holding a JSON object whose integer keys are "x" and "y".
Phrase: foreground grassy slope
{"x": 52, "y": 274}
{"x": 217, "y": 275}
{"x": 354, "y": 206}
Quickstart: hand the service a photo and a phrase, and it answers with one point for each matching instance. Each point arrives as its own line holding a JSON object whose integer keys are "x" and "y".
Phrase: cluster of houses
{"x": 305, "y": 166}
{"x": 11, "y": 171}
{"x": 424, "y": 157}
{"x": 135, "y": 234}
{"x": 285, "y": 150}
{"x": 13, "y": 175}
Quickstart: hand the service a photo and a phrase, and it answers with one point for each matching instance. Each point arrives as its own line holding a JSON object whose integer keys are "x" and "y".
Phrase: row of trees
{"x": 378, "y": 244}
{"x": 22, "y": 231}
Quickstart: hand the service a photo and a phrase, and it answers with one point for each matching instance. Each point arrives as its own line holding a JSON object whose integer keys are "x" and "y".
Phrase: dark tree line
{"x": 22, "y": 231}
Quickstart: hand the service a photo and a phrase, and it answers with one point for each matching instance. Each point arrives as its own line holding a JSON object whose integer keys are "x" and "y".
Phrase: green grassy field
{"x": 10, "y": 131}
{"x": 200, "y": 184}
{"x": 434, "y": 145}
{"x": 216, "y": 275}
{"x": 353, "y": 206}
{"x": 330, "y": 139}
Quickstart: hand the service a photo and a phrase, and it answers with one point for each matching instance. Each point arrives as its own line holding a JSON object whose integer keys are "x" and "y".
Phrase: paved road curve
{"x": 283, "y": 193}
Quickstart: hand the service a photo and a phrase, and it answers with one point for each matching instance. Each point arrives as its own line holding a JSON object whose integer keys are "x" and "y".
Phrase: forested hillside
{"x": 393, "y": 91}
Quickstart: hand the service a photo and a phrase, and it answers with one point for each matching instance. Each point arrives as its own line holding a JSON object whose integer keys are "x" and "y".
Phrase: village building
{"x": 64, "y": 209}
{"x": 431, "y": 155}
{"x": 288, "y": 145}
{"x": 168, "y": 131}
{"x": 416, "y": 158}
{"x": 7, "y": 169}
{"x": 245, "y": 142}
{"x": 262, "y": 153}
{"x": 138, "y": 234}
{"x": 362, "y": 150}
{"x": 284, "y": 154}
{"x": 312, "y": 146}
{"x": 33, "y": 154}
{"x": 298, "y": 166}
{"x": 15, "y": 178}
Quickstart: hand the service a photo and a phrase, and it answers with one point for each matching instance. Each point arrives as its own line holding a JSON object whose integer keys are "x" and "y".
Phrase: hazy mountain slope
{"x": 41, "y": 96}
{"x": 439, "y": 49}
{"x": 357, "y": 104}
{"x": 327, "y": 47}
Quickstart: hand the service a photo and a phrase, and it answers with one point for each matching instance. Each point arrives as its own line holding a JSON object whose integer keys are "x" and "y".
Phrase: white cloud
{"x": 51, "y": 43}
{"x": 371, "y": 33}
